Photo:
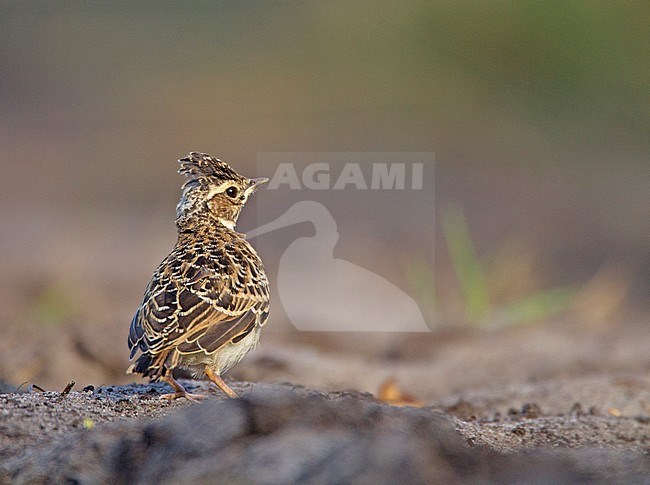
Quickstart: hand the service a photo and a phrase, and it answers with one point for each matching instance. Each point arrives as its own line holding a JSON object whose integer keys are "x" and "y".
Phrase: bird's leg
{"x": 179, "y": 391}
{"x": 216, "y": 378}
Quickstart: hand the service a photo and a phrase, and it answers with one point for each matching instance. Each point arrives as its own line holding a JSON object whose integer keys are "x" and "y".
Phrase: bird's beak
{"x": 254, "y": 184}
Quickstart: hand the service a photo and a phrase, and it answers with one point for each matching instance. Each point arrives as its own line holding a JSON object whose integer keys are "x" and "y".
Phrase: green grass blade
{"x": 420, "y": 278}
{"x": 467, "y": 268}
{"x": 536, "y": 307}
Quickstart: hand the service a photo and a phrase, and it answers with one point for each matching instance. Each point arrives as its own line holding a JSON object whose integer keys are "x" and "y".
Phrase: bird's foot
{"x": 187, "y": 395}
{"x": 179, "y": 391}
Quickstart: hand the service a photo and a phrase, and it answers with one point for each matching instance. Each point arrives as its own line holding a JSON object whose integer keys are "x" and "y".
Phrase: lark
{"x": 208, "y": 300}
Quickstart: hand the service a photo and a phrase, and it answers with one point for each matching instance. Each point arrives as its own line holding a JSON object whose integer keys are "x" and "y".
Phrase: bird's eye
{"x": 232, "y": 192}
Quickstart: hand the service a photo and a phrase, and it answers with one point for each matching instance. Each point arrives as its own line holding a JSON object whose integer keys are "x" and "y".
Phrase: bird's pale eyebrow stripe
{"x": 219, "y": 189}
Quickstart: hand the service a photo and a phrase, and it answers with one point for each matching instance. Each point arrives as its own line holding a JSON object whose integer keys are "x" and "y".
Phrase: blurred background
{"x": 538, "y": 115}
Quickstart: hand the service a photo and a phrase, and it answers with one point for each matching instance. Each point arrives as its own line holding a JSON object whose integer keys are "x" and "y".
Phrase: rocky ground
{"x": 281, "y": 433}
{"x": 559, "y": 402}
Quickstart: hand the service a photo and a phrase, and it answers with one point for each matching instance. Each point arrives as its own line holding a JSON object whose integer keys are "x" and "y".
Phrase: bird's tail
{"x": 149, "y": 366}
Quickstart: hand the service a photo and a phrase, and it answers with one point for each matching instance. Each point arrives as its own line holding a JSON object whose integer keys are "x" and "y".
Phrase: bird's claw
{"x": 190, "y": 397}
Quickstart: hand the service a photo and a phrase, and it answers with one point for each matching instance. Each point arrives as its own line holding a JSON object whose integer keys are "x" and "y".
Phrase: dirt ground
{"x": 553, "y": 402}
{"x": 104, "y": 434}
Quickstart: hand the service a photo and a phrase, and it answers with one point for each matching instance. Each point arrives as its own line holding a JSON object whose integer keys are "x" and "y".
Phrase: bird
{"x": 208, "y": 300}
{"x": 320, "y": 292}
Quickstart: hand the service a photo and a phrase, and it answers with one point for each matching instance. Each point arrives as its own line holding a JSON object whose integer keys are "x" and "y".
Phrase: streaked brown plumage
{"x": 207, "y": 301}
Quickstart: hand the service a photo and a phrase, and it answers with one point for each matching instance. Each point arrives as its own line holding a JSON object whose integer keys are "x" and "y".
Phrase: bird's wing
{"x": 193, "y": 306}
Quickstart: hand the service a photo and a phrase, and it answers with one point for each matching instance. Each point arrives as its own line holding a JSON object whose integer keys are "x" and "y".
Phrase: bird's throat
{"x": 229, "y": 224}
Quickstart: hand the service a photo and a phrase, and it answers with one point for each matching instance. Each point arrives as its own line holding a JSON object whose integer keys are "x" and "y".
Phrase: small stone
{"x": 519, "y": 430}
{"x": 531, "y": 411}
{"x": 576, "y": 410}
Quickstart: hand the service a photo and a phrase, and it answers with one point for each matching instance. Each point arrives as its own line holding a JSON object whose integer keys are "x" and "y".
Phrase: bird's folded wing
{"x": 196, "y": 315}
{"x": 210, "y": 339}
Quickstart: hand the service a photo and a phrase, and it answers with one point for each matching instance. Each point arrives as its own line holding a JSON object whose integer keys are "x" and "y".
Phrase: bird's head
{"x": 213, "y": 191}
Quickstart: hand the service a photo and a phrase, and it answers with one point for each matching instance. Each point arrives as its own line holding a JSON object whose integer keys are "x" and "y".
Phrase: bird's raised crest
{"x": 201, "y": 166}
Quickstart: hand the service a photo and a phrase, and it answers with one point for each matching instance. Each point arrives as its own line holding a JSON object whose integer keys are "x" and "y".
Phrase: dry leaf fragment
{"x": 390, "y": 393}
{"x": 614, "y": 412}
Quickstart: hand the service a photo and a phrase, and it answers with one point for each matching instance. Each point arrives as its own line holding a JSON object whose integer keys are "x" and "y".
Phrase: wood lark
{"x": 208, "y": 300}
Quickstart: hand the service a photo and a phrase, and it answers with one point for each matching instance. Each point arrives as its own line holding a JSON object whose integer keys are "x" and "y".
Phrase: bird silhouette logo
{"x": 322, "y": 293}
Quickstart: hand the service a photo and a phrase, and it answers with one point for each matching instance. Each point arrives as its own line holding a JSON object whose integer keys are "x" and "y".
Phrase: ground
{"x": 554, "y": 402}
{"x": 284, "y": 434}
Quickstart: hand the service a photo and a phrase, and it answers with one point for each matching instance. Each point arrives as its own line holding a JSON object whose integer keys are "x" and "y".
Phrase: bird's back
{"x": 206, "y": 296}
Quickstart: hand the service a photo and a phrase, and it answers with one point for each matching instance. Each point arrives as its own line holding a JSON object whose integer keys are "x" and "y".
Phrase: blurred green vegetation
{"x": 538, "y": 112}
{"x": 53, "y": 305}
{"x": 577, "y": 69}
{"x": 468, "y": 270}
{"x": 491, "y": 291}
{"x": 571, "y": 67}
